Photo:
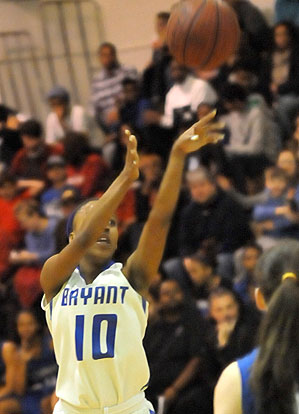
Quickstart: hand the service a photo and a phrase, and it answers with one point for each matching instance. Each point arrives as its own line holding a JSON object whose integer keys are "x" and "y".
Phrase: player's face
{"x": 224, "y": 309}
{"x": 106, "y": 244}
{"x": 27, "y": 326}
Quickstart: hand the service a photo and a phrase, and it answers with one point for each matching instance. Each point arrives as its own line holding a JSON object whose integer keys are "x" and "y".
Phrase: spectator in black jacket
{"x": 213, "y": 219}
{"x": 234, "y": 326}
{"x": 177, "y": 353}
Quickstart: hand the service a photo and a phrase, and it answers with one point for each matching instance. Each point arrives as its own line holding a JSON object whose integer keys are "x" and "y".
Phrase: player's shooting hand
{"x": 201, "y": 133}
{"x": 131, "y": 168}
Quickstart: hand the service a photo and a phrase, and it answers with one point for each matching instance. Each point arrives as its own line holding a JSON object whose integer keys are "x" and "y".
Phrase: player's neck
{"x": 90, "y": 270}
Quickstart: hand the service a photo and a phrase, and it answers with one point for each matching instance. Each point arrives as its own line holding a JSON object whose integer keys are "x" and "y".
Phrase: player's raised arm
{"x": 58, "y": 268}
{"x": 143, "y": 264}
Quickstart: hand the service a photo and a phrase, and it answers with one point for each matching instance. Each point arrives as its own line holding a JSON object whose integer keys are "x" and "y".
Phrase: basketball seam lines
{"x": 215, "y": 39}
{"x": 191, "y": 27}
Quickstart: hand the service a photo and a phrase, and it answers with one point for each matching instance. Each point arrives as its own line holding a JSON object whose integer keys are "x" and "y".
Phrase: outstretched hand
{"x": 131, "y": 167}
{"x": 201, "y": 133}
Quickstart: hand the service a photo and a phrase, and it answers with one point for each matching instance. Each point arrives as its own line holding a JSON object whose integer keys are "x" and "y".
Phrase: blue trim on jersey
{"x": 245, "y": 365}
{"x": 51, "y": 308}
{"x": 144, "y": 305}
{"x": 112, "y": 262}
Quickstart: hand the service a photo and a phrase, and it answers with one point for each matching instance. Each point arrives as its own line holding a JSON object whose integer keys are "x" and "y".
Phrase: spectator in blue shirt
{"x": 39, "y": 246}
{"x": 274, "y": 218}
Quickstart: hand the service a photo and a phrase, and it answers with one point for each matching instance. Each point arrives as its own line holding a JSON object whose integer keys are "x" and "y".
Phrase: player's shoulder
{"x": 227, "y": 396}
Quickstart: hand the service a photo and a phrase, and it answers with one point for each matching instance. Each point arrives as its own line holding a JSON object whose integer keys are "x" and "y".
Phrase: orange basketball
{"x": 202, "y": 33}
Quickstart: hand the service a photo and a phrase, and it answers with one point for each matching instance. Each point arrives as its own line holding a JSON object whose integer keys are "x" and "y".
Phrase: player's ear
{"x": 71, "y": 236}
{"x": 260, "y": 300}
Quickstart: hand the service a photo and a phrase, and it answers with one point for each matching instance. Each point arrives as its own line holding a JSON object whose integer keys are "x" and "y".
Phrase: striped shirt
{"x": 107, "y": 86}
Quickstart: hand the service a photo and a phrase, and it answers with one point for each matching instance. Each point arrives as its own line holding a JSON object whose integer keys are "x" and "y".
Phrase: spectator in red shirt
{"x": 85, "y": 170}
{"x": 11, "y": 233}
{"x": 29, "y": 163}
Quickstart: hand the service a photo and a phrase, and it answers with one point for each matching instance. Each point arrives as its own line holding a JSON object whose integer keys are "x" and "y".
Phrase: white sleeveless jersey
{"x": 97, "y": 331}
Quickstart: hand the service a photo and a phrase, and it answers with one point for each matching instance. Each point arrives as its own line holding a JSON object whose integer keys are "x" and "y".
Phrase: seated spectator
{"x": 253, "y": 139}
{"x": 244, "y": 283}
{"x": 280, "y": 73}
{"x": 182, "y": 99}
{"x": 29, "y": 163}
{"x": 274, "y": 219}
{"x": 204, "y": 221}
{"x": 86, "y": 170}
{"x": 106, "y": 87}
{"x": 293, "y": 141}
{"x": 39, "y": 246}
{"x": 202, "y": 277}
{"x": 132, "y": 105}
{"x": 235, "y": 326}
{"x": 176, "y": 350}
{"x": 69, "y": 200}
{"x": 8, "y": 376}
{"x": 10, "y": 141}
{"x": 287, "y": 10}
{"x": 63, "y": 117}
{"x": 57, "y": 178}
{"x": 37, "y": 369}
{"x": 211, "y": 157}
{"x": 156, "y": 77}
{"x": 11, "y": 233}
{"x": 287, "y": 161}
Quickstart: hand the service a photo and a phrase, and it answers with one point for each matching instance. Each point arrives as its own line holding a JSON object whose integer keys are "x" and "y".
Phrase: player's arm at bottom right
{"x": 228, "y": 391}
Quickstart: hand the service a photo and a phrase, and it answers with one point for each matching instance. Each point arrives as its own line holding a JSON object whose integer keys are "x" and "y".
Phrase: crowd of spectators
{"x": 239, "y": 198}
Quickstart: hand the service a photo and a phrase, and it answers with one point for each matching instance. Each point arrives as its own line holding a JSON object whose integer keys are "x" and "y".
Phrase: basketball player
{"x": 96, "y": 318}
{"x": 266, "y": 381}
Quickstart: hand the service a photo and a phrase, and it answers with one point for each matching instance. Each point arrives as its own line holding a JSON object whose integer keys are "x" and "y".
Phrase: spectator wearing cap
{"x": 30, "y": 162}
{"x": 57, "y": 178}
{"x": 63, "y": 116}
{"x": 11, "y": 233}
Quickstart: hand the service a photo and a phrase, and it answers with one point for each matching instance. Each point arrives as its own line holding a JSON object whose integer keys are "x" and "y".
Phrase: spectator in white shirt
{"x": 183, "y": 98}
{"x": 65, "y": 117}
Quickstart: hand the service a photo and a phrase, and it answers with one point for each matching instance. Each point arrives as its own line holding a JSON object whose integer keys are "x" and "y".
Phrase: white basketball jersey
{"x": 97, "y": 331}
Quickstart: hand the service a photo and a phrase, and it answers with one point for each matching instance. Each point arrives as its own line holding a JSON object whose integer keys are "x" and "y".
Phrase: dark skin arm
{"x": 59, "y": 267}
{"x": 183, "y": 379}
{"x": 143, "y": 264}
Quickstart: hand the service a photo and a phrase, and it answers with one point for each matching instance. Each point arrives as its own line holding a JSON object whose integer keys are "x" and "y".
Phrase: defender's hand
{"x": 201, "y": 133}
{"x": 131, "y": 168}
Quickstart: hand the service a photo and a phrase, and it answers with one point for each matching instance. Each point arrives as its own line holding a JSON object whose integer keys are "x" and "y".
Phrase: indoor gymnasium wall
{"x": 127, "y": 23}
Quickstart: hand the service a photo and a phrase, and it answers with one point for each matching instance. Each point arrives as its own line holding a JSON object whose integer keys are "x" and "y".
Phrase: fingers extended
{"x": 206, "y": 118}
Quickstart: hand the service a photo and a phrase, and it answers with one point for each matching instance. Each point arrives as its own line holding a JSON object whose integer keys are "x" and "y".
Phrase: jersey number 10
{"x": 103, "y": 336}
